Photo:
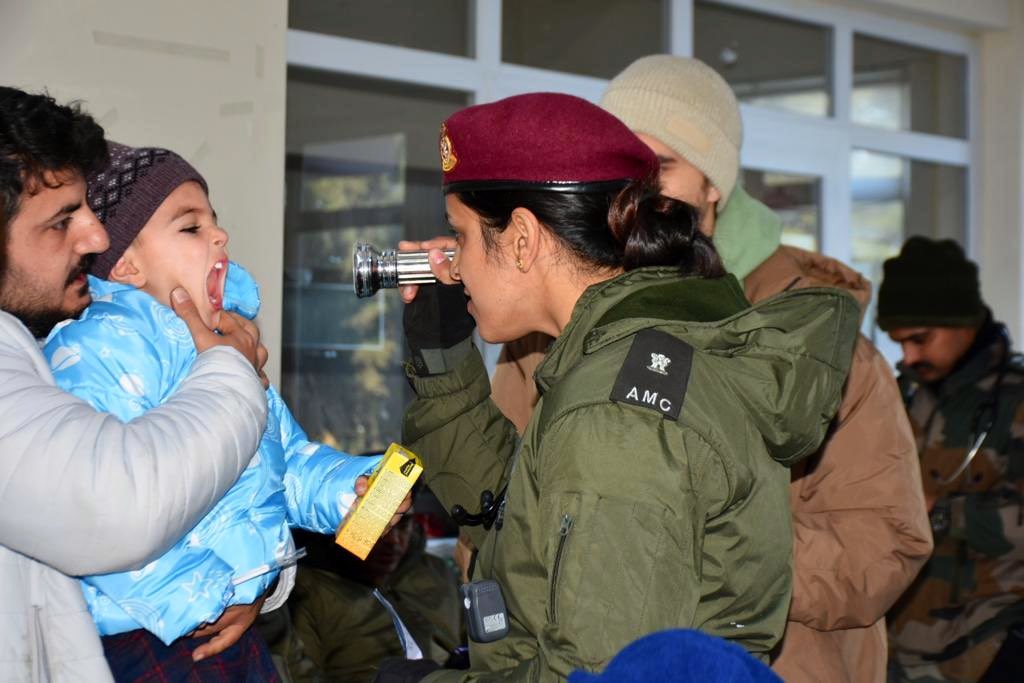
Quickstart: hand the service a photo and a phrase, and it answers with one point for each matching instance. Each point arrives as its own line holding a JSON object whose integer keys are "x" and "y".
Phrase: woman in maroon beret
{"x": 650, "y": 488}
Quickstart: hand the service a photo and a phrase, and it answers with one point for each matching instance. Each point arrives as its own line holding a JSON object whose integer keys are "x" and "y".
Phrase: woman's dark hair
{"x": 630, "y": 228}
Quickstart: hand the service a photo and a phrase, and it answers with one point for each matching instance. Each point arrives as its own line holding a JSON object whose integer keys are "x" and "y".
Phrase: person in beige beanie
{"x": 694, "y": 115}
{"x": 861, "y": 528}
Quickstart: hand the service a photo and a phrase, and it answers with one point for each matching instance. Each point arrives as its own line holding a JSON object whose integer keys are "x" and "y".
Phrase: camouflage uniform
{"x": 954, "y": 618}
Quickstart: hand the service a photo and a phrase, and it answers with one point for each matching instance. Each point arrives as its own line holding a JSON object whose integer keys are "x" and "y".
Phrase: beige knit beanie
{"x": 686, "y": 105}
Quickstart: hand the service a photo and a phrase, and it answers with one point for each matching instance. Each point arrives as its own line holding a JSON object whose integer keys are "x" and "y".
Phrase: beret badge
{"x": 448, "y": 158}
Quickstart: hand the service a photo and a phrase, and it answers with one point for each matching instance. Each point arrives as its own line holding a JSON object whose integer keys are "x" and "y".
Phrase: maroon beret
{"x": 544, "y": 141}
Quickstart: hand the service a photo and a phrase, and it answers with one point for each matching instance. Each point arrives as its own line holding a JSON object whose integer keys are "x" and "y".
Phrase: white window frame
{"x": 774, "y": 140}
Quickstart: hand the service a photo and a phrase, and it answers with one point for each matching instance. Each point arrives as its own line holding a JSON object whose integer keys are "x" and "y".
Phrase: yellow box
{"x": 388, "y": 486}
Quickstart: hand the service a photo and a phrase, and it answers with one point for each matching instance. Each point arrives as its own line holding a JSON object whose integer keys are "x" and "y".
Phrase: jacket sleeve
{"x": 991, "y": 520}
{"x": 859, "y": 518}
{"x": 86, "y": 493}
{"x": 319, "y": 481}
{"x": 513, "y": 388}
{"x": 169, "y": 597}
{"x": 464, "y": 440}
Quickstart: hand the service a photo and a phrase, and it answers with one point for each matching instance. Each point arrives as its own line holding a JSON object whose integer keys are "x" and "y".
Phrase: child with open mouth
{"x": 126, "y": 355}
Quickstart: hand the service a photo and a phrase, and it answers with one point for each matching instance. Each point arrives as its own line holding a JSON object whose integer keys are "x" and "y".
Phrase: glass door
{"x": 361, "y": 167}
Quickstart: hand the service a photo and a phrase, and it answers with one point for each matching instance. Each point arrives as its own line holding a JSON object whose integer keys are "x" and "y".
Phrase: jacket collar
{"x": 632, "y": 301}
{"x": 791, "y": 268}
{"x": 746, "y": 233}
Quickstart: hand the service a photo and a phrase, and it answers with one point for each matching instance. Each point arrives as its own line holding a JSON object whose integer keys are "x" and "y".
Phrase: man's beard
{"x": 29, "y": 307}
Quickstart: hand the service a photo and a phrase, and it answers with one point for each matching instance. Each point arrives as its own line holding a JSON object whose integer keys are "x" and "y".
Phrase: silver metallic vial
{"x": 373, "y": 269}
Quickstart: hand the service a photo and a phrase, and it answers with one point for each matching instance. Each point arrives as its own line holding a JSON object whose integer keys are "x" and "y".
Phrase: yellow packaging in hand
{"x": 386, "y": 490}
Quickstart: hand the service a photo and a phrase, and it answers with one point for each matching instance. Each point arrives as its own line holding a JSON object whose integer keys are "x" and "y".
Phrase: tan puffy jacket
{"x": 859, "y": 519}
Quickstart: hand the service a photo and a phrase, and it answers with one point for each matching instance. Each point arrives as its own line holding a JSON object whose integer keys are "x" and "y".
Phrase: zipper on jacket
{"x": 563, "y": 534}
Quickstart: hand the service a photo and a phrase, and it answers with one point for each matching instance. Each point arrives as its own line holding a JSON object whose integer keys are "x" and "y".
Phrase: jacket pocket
{"x": 614, "y": 572}
{"x": 564, "y": 530}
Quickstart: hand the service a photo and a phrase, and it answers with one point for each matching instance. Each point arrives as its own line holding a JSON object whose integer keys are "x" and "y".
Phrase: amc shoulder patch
{"x": 655, "y": 373}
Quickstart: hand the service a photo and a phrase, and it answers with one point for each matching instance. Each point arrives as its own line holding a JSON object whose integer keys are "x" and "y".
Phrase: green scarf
{"x": 746, "y": 233}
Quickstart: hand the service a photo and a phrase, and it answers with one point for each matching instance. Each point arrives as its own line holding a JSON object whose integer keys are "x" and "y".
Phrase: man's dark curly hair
{"x": 38, "y": 135}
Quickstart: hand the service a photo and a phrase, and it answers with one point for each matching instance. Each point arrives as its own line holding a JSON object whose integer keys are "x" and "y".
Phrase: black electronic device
{"x": 484, "y": 605}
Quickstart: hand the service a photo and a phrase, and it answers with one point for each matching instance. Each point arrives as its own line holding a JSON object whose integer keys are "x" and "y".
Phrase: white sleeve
{"x": 87, "y": 494}
{"x": 285, "y": 584}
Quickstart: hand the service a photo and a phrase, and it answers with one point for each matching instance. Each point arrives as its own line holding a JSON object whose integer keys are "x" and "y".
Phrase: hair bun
{"x": 655, "y": 230}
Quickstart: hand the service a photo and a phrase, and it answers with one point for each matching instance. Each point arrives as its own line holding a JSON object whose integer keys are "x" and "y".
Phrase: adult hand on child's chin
{"x": 361, "y": 485}
{"x": 235, "y": 331}
{"x": 226, "y": 631}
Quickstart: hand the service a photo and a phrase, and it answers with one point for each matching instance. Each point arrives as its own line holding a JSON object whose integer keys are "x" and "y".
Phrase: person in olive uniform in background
{"x": 341, "y": 606}
{"x": 963, "y": 619}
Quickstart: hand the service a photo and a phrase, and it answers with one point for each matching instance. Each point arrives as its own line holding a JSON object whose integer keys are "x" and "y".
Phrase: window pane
{"x": 893, "y": 199}
{"x": 901, "y": 87}
{"x": 600, "y": 39}
{"x": 362, "y": 166}
{"x": 437, "y": 25}
{"x": 795, "y": 198}
{"x": 767, "y": 60}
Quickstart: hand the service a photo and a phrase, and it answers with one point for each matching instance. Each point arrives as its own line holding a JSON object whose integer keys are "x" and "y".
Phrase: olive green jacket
{"x": 622, "y": 519}
{"x": 345, "y": 632}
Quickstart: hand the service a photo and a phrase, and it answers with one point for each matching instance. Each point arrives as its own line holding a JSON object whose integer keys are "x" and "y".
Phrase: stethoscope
{"x": 978, "y": 441}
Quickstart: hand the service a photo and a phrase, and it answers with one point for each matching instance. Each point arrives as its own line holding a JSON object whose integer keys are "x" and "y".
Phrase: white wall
{"x": 999, "y": 242}
{"x": 972, "y": 14}
{"x": 206, "y": 79}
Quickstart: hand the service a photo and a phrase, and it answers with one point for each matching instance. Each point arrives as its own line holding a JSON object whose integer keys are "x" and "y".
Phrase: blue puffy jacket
{"x": 128, "y": 353}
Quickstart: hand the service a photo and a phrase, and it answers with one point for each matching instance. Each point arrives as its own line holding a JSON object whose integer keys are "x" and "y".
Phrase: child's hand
{"x": 361, "y": 484}
{"x": 226, "y": 631}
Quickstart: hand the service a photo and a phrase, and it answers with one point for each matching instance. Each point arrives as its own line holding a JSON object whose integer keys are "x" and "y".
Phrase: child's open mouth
{"x": 215, "y": 284}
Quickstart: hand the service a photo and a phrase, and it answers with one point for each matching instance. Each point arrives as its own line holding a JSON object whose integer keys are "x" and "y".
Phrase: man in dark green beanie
{"x": 930, "y": 304}
{"x": 963, "y": 618}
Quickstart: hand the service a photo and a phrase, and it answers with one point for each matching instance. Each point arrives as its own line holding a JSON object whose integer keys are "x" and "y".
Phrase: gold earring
{"x": 519, "y": 264}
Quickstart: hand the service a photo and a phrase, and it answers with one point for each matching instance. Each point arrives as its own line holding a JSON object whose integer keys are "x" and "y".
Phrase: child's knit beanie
{"x": 128, "y": 190}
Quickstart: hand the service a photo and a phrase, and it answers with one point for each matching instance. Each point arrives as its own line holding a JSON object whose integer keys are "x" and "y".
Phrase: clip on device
{"x": 489, "y": 510}
{"x": 484, "y": 606}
